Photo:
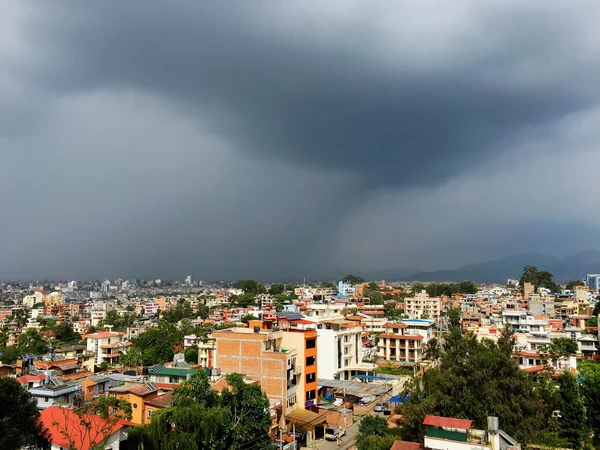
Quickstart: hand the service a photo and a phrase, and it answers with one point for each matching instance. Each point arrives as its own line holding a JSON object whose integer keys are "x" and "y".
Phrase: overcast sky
{"x": 229, "y": 139}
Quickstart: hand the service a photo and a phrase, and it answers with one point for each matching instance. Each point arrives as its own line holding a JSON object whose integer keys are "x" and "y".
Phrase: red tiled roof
{"x": 408, "y": 337}
{"x": 60, "y": 420}
{"x": 105, "y": 334}
{"x": 28, "y": 378}
{"x": 405, "y": 445}
{"x": 161, "y": 401}
{"x": 448, "y": 422}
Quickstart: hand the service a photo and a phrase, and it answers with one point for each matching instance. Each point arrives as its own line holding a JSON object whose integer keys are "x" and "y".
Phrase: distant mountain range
{"x": 499, "y": 270}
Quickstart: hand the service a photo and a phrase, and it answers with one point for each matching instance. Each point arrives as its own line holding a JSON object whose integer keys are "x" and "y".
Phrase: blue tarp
{"x": 399, "y": 399}
{"x": 373, "y": 377}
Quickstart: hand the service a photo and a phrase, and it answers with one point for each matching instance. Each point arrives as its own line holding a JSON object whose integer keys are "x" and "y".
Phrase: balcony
{"x": 298, "y": 369}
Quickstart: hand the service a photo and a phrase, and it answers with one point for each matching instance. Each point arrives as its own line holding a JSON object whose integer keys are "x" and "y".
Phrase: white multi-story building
{"x": 340, "y": 349}
{"x": 422, "y": 306}
{"x": 107, "y": 345}
{"x": 30, "y": 300}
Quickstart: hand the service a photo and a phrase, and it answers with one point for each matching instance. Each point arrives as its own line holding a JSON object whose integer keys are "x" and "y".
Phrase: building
{"x": 422, "y": 306}
{"x": 541, "y": 307}
{"x": 54, "y": 299}
{"x": 172, "y": 376}
{"x": 107, "y": 346}
{"x": 400, "y": 346}
{"x": 33, "y": 299}
{"x": 259, "y": 354}
{"x": 304, "y": 341}
{"x": 592, "y": 281}
{"x": 48, "y": 390}
{"x": 137, "y": 394}
{"x": 340, "y": 349}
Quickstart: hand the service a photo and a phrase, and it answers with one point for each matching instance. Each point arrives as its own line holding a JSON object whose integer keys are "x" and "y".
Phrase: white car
{"x": 334, "y": 432}
{"x": 378, "y": 407}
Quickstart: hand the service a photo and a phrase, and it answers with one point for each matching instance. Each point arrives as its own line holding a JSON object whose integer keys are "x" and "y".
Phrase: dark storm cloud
{"x": 278, "y": 89}
{"x": 251, "y": 139}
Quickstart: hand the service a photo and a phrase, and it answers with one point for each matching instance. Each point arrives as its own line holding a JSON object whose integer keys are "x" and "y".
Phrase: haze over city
{"x": 298, "y": 139}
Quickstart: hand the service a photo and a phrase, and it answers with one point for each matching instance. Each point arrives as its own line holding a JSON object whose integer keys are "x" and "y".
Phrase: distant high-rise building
{"x": 592, "y": 280}
{"x": 189, "y": 280}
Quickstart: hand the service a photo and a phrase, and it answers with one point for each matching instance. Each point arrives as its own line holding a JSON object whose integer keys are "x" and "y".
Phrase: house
{"x": 48, "y": 390}
{"x": 170, "y": 375}
{"x": 137, "y": 394}
{"x": 79, "y": 352}
{"x": 107, "y": 346}
{"x": 422, "y": 306}
{"x": 445, "y": 433}
{"x": 63, "y": 421}
{"x": 157, "y": 403}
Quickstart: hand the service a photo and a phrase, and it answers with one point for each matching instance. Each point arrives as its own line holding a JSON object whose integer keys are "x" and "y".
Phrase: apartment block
{"x": 400, "y": 346}
{"x": 422, "y": 306}
{"x": 107, "y": 346}
{"x": 260, "y": 354}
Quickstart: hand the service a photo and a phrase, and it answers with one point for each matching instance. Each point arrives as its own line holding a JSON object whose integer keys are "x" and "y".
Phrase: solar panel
{"x": 151, "y": 385}
{"x": 156, "y": 368}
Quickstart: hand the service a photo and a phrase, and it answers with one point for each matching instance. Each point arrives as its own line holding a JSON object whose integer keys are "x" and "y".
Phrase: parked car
{"x": 334, "y": 432}
{"x": 378, "y": 407}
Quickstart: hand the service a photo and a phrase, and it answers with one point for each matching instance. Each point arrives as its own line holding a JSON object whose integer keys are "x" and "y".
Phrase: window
{"x": 311, "y": 361}
{"x": 134, "y": 405}
{"x": 311, "y": 377}
{"x": 45, "y": 399}
{"x": 311, "y": 395}
{"x": 150, "y": 412}
{"x": 311, "y": 343}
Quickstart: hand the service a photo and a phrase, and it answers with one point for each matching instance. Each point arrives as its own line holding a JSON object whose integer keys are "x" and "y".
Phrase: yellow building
{"x": 54, "y": 299}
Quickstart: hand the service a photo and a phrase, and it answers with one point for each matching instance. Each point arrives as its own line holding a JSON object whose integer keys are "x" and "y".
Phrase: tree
{"x": 374, "y": 434}
{"x": 248, "y": 317}
{"x": 539, "y": 279}
{"x": 203, "y": 312}
{"x": 475, "y": 380}
{"x": 158, "y": 344}
{"x": 433, "y": 349}
{"x": 191, "y": 355}
{"x": 277, "y": 288}
{"x": 19, "y": 417}
{"x": 560, "y": 348}
{"x": 93, "y": 421}
{"x": 417, "y": 287}
{"x": 64, "y": 333}
{"x": 571, "y": 284}
{"x": 32, "y": 342}
{"x": 596, "y": 311}
{"x": 590, "y": 391}
{"x": 353, "y": 279}
{"x": 201, "y": 418}
{"x": 186, "y": 327}
{"x": 245, "y": 300}
{"x": 21, "y": 317}
{"x": 133, "y": 358}
{"x": 573, "y": 423}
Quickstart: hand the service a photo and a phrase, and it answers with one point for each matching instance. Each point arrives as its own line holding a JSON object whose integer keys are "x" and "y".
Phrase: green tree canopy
{"x": 191, "y": 355}
{"x": 201, "y": 418}
{"x": 573, "y": 420}
{"x": 32, "y": 342}
{"x": 19, "y": 417}
{"x": 571, "y": 284}
{"x": 353, "y": 279}
{"x": 476, "y": 379}
{"x": 158, "y": 344}
{"x": 538, "y": 278}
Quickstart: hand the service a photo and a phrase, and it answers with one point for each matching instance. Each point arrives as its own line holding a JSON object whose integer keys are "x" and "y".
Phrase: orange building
{"x": 138, "y": 395}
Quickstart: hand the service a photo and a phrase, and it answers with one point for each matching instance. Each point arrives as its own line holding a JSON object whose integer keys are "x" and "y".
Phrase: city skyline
{"x": 271, "y": 142}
